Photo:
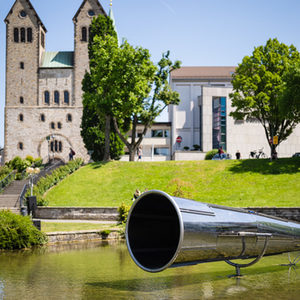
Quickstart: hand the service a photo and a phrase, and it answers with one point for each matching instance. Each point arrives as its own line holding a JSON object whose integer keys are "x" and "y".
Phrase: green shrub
{"x": 30, "y": 159}
{"x": 37, "y": 162}
{"x": 45, "y": 183}
{"x": 210, "y": 154}
{"x": 4, "y": 171}
{"x": 123, "y": 211}
{"x": 17, "y": 232}
{"x": 196, "y": 147}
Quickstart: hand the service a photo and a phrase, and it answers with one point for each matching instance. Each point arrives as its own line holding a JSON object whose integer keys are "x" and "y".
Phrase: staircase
{"x": 9, "y": 199}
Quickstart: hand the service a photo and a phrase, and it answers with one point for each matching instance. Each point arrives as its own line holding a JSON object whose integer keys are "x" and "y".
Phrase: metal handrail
{"x": 22, "y": 195}
{"x": 7, "y": 180}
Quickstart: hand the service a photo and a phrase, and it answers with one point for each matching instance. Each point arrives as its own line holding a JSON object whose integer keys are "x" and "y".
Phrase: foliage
{"x": 210, "y": 154}
{"x": 258, "y": 85}
{"x": 17, "y": 232}
{"x": 182, "y": 188}
{"x": 4, "y": 171}
{"x": 123, "y": 211}
{"x": 237, "y": 183}
{"x": 92, "y": 132}
{"x": 196, "y": 147}
{"x": 37, "y": 162}
{"x": 56, "y": 176}
{"x": 30, "y": 158}
{"x": 186, "y": 148}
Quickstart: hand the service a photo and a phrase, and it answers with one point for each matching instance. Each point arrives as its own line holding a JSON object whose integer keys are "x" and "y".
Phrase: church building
{"x": 43, "y": 105}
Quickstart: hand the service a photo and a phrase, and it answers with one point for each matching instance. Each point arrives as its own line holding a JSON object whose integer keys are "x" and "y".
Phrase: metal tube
{"x": 164, "y": 231}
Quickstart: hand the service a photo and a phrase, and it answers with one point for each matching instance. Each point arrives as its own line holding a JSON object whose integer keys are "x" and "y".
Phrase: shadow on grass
{"x": 266, "y": 167}
{"x": 98, "y": 164}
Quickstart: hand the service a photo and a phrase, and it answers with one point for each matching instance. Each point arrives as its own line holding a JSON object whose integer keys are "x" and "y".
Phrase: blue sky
{"x": 197, "y": 32}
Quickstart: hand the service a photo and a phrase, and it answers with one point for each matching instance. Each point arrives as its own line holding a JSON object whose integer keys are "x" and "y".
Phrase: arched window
{"x": 16, "y": 35}
{"x": 21, "y": 100}
{"x": 66, "y": 97}
{"x": 59, "y": 125}
{"x": 21, "y": 117}
{"x": 42, "y": 117}
{"x": 56, "y": 97}
{"x": 47, "y": 97}
{"x": 29, "y": 35}
{"x": 60, "y": 146}
{"x": 84, "y": 34}
{"x": 69, "y": 118}
{"x": 20, "y": 146}
{"x": 56, "y": 146}
{"x": 22, "y": 35}
{"x": 52, "y": 125}
{"x": 22, "y": 65}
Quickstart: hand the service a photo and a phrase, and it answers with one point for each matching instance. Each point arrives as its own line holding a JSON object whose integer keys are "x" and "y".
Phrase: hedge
{"x": 45, "y": 183}
{"x": 17, "y": 232}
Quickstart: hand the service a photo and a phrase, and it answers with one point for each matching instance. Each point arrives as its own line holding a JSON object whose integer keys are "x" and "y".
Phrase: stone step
{"x": 14, "y": 210}
{"x": 9, "y": 200}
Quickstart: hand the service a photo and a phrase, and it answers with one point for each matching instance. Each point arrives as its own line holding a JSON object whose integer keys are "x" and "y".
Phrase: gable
{"x": 94, "y": 4}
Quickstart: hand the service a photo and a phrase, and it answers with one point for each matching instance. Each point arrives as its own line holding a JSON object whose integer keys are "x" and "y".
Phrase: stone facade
{"x": 34, "y": 125}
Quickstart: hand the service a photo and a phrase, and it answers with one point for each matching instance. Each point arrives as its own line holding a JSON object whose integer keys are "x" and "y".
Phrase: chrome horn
{"x": 164, "y": 231}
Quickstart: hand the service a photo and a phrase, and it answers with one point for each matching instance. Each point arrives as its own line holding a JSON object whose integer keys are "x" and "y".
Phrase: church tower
{"x": 25, "y": 45}
{"x": 82, "y": 21}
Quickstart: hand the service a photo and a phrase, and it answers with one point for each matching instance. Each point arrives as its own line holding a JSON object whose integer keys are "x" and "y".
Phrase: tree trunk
{"x": 131, "y": 154}
{"x": 107, "y": 138}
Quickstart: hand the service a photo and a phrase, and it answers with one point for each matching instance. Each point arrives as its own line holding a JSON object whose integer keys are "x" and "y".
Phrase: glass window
{"x": 84, "y": 34}
{"x": 21, "y": 117}
{"x": 166, "y": 133}
{"x": 56, "y": 97}
{"x": 21, "y": 100}
{"x": 22, "y": 35}
{"x": 162, "y": 151}
{"x": 219, "y": 122}
{"x": 23, "y": 14}
{"x": 52, "y": 125}
{"x": 66, "y": 97}
{"x": 157, "y": 133}
{"x": 42, "y": 117}
{"x": 22, "y": 65}
{"x": 91, "y": 13}
{"x": 69, "y": 118}
{"x": 29, "y": 35}
{"x": 20, "y": 146}
{"x": 59, "y": 125}
{"x": 60, "y": 146}
{"x": 47, "y": 97}
{"x": 16, "y": 35}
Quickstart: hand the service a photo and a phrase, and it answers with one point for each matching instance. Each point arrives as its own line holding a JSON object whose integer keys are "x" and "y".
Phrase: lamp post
{"x": 32, "y": 172}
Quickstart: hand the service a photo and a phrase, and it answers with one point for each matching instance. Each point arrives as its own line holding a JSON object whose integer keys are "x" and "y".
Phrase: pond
{"x": 106, "y": 271}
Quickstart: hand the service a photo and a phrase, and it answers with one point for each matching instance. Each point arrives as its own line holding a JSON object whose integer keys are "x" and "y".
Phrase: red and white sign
{"x": 179, "y": 139}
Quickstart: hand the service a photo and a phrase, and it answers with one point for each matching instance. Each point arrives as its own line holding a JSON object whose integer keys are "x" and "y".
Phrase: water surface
{"x": 106, "y": 271}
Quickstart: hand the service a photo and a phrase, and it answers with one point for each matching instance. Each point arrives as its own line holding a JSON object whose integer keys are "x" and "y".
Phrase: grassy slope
{"x": 233, "y": 183}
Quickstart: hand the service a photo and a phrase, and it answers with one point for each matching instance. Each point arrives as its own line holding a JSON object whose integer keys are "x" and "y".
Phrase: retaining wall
{"x": 77, "y": 213}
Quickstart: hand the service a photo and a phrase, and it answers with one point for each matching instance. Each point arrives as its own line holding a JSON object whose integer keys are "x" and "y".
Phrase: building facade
{"x": 43, "y": 106}
{"x": 202, "y": 117}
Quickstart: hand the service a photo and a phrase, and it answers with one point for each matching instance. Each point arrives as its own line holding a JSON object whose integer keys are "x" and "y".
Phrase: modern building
{"x": 43, "y": 105}
{"x": 202, "y": 117}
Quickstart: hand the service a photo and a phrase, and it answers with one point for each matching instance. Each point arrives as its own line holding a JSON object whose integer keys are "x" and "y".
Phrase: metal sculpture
{"x": 164, "y": 231}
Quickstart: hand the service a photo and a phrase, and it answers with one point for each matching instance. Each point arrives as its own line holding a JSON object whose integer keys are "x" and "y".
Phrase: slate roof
{"x": 60, "y": 59}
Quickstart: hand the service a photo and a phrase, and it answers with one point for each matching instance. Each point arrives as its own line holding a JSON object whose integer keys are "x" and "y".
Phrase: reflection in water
{"x": 98, "y": 270}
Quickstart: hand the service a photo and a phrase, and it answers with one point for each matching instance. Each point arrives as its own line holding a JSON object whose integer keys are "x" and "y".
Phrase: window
{"x": 22, "y": 14}
{"x": 162, "y": 151}
{"x": 219, "y": 122}
{"x": 22, "y": 65}
{"x": 69, "y": 118}
{"x": 160, "y": 133}
{"x": 20, "y": 146}
{"x": 42, "y": 117}
{"x": 59, "y": 125}
{"x": 56, "y": 97}
{"x": 16, "y": 35}
{"x": 47, "y": 97}
{"x": 56, "y": 146}
{"x": 84, "y": 34}
{"x": 43, "y": 40}
{"x": 22, "y": 35}
{"x": 21, "y": 100}
{"x": 91, "y": 13}
{"x": 21, "y": 117}
{"x": 66, "y": 97}
{"x": 29, "y": 35}
{"x": 52, "y": 125}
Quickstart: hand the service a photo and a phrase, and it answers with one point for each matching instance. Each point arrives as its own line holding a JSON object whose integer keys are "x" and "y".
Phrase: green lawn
{"x": 233, "y": 183}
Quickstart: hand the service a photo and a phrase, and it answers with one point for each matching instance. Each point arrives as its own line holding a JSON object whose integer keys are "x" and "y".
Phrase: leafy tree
{"x": 258, "y": 86}
{"x": 97, "y": 87}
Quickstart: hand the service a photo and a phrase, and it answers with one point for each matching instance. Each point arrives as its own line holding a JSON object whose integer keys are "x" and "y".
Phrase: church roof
{"x": 31, "y": 7}
{"x": 82, "y": 5}
{"x": 60, "y": 59}
{"x": 203, "y": 72}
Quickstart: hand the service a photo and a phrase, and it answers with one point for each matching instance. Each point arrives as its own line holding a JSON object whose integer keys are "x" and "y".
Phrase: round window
{"x": 91, "y": 13}
{"x": 23, "y": 14}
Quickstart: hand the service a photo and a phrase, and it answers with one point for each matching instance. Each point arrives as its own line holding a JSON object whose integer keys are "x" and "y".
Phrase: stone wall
{"x": 77, "y": 213}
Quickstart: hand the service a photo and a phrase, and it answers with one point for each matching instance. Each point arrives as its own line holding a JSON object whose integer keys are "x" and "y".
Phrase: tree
{"x": 145, "y": 92}
{"x": 96, "y": 84}
{"x": 258, "y": 86}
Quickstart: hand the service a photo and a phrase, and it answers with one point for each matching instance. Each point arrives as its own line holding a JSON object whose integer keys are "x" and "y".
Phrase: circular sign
{"x": 179, "y": 139}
